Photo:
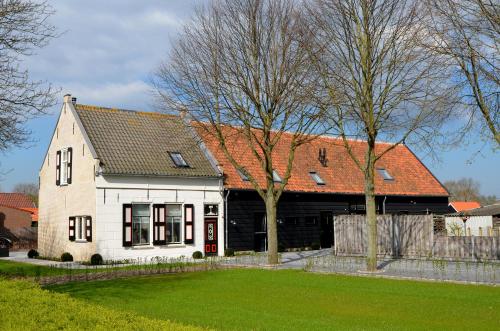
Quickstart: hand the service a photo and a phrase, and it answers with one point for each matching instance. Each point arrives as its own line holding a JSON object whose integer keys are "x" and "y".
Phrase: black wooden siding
{"x": 244, "y": 206}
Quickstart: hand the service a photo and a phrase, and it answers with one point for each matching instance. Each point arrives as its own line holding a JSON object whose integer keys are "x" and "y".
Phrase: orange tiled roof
{"x": 341, "y": 174}
{"x": 34, "y": 213}
{"x": 465, "y": 205}
{"x": 18, "y": 200}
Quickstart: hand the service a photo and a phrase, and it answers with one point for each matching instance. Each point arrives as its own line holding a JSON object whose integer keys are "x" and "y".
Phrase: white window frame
{"x": 81, "y": 228}
{"x": 181, "y": 235}
{"x": 150, "y": 230}
{"x": 64, "y": 167}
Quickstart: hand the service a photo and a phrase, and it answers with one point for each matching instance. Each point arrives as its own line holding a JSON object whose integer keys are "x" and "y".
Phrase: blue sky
{"x": 106, "y": 56}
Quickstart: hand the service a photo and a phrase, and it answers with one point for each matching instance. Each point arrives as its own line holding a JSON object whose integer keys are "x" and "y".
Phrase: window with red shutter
{"x": 159, "y": 225}
{"x": 88, "y": 228}
{"x": 189, "y": 224}
{"x": 71, "y": 228}
{"x": 58, "y": 168}
{"x": 127, "y": 225}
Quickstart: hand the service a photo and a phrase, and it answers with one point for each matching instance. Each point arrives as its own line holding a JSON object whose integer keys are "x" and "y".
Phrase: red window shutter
{"x": 70, "y": 164}
{"x": 159, "y": 225}
{"x": 58, "y": 168}
{"x": 71, "y": 228}
{"x": 88, "y": 228}
{"x": 189, "y": 224}
{"x": 127, "y": 225}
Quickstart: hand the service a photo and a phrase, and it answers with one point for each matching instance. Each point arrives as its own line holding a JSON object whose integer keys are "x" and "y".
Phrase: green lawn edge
{"x": 26, "y": 306}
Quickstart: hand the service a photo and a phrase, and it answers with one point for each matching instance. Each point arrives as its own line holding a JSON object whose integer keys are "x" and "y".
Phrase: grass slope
{"x": 295, "y": 300}
{"x": 24, "y": 306}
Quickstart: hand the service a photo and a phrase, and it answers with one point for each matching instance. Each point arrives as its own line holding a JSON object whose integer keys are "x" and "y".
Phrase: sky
{"x": 106, "y": 56}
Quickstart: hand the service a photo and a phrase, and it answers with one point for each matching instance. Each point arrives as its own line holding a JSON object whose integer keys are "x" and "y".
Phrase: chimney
{"x": 322, "y": 157}
{"x": 67, "y": 98}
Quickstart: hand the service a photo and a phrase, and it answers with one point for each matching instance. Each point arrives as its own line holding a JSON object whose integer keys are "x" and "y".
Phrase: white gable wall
{"x": 114, "y": 191}
{"x": 58, "y": 203}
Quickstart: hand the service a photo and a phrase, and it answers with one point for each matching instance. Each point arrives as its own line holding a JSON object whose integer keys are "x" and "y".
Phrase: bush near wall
{"x": 25, "y": 306}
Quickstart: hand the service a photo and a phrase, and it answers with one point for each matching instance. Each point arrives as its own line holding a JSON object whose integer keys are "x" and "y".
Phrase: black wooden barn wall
{"x": 299, "y": 215}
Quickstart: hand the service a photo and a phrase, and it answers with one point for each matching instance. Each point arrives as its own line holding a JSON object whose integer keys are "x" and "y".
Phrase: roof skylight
{"x": 243, "y": 176}
{"x": 178, "y": 160}
{"x": 317, "y": 178}
{"x": 276, "y": 177}
{"x": 385, "y": 174}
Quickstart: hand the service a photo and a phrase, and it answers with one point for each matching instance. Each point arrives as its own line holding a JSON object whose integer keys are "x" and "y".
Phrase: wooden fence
{"x": 409, "y": 236}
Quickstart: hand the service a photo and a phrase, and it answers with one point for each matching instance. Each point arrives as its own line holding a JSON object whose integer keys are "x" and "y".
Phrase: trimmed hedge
{"x": 96, "y": 259}
{"x": 66, "y": 257}
{"x": 197, "y": 255}
{"x": 27, "y": 307}
{"x": 33, "y": 253}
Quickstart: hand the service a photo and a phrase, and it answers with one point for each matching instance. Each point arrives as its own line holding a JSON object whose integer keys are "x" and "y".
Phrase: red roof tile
{"x": 464, "y": 205}
{"x": 18, "y": 200}
{"x": 341, "y": 174}
{"x": 34, "y": 213}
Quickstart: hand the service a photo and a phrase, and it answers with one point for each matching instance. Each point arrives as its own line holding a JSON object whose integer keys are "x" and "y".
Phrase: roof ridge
{"x": 113, "y": 109}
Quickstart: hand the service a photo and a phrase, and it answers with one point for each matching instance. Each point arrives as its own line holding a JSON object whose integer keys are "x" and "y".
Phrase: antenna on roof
{"x": 322, "y": 157}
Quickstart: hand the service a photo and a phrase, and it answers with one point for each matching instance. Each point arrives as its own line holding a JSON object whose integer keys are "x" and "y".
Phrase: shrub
{"x": 281, "y": 248}
{"x": 66, "y": 257}
{"x": 96, "y": 259}
{"x": 33, "y": 253}
{"x": 197, "y": 255}
{"x": 315, "y": 245}
{"x": 229, "y": 252}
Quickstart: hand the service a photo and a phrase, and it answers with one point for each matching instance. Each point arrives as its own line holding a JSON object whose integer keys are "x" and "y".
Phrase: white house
{"x": 127, "y": 184}
{"x": 482, "y": 221}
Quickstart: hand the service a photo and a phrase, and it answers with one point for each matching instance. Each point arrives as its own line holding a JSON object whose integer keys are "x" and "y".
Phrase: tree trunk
{"x": 272, "y": 229}
{"x": 371, "y": 213}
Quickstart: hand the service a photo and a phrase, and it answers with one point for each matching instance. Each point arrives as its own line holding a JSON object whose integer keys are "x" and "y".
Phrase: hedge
{"x": 25, "y": 306}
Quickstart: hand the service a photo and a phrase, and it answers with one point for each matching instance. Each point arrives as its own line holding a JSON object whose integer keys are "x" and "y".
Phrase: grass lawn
{"x": 244, "y": 299}
{"x": 19, "y": 269}
{"x": 24, "y": 306}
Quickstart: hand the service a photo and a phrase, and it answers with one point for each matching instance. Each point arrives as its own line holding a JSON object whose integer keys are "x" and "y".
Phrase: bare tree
{"x": 378, "y": 82}
{"x": 30, "y": 189}
{"x": 468, "y": 33}
{"x": 468, "y": 189}
{"x": 240, "y": 69}
{"x": 23, "y": 28}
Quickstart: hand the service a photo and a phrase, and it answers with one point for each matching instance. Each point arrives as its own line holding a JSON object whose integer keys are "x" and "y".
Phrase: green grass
{"x": 24, "y": 306}
{"x": 19, "y": 269}
{"x": 11, "y": 269}
{"x": 294, "y": 300}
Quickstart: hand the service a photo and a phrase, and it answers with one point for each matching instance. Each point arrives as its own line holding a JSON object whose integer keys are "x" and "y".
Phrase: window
{"x": 385, "y": 174}
{"x": 178, "y": 160}
{"x": 80, "y": 228}
{"x": 276, "y": 177}
{"x": 140, "y": 224}
{"x": 317, "y": 178}
{"x": 64, "y": 166}
{"x": 174, "y": 223}
{"x": 311, "y": 220}
{"x": 243, "y": 176}
{"x": 291, "y": 221}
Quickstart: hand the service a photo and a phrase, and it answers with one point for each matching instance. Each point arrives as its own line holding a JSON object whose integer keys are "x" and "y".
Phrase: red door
{"x": 210, "y": 237}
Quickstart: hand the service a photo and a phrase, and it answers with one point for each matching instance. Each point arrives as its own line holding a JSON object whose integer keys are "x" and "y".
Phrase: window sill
{"x": 142, "y": 247}
{"x": 81, "y": 241}
{"x": 171, "y": 246}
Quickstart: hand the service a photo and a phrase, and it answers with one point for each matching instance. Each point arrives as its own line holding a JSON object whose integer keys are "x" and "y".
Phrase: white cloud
{"x": 133, "y": 95}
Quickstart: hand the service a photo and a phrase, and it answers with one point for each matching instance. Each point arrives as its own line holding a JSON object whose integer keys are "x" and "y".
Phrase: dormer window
{"x": 385, "y": 174}
{"x": 243, "y": 176}
{"x": 178, "y": 160}
{"x": 276, "y": 177}
{"x": 317, "y": 178}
